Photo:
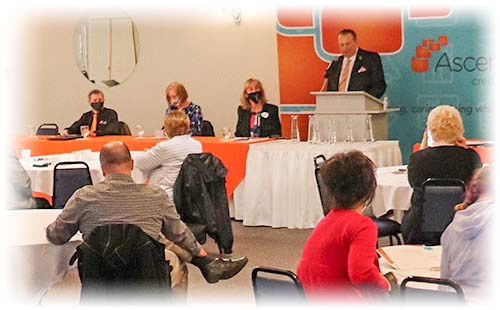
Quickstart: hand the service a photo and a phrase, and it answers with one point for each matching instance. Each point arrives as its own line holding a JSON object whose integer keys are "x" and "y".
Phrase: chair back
{"x": 47, "y": 130}
{"x": 272, "y": 285}
{"x": 439, "y": 199}
{"x": 120, "y": 263}
{"x": 124, "y": 129}
{"x": 68, "y": 177}
{"x": 207, "y": 129}
{"x": 323, "y": 194}
{"x": 420, "y": 294}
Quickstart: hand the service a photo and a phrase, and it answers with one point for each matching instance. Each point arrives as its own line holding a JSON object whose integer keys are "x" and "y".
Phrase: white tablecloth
{"x": 279, "y": 188}
{"x": 42, "y": 178}
{"x": 33, "y": 264}
{"x": 393, "y": 192}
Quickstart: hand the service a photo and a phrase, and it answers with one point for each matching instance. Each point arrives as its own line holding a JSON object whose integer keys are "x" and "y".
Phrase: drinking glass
{"x": 84, "y": 131}
{"x": 226, "y": 133}
{"x": 294, "y": 129}
{"x": 140, "y": 131}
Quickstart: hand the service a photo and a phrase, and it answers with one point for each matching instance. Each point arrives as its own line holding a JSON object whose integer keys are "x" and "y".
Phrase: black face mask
{"x": 97, "y": 106}
{"x": 255, "y": 96}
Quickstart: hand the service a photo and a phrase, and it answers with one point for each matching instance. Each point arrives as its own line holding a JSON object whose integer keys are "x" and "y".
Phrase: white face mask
{"x": 430, "y": 141}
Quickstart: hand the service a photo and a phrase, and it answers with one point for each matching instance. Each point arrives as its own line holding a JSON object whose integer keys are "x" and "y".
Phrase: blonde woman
{"x": 162, "y": 163}
{"x": 256, "y": 117}
{"x": 445, "y": 157}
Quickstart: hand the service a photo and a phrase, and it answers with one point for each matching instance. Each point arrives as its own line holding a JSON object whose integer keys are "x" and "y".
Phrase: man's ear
{"x": 104, "y": 170}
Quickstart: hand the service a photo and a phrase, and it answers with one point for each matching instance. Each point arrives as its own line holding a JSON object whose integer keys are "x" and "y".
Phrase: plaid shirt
{"x": 195, "y": 116}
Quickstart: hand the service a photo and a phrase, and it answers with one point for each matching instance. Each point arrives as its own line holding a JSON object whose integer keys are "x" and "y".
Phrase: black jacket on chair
{"x": 121, "y": 263}
{"x": 200, "y": 197}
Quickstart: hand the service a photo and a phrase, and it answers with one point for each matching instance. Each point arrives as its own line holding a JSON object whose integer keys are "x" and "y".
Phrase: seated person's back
{"x": 446, "y": 158}
{"x": 339, "y": 260}
{"x": 163, "y": 162}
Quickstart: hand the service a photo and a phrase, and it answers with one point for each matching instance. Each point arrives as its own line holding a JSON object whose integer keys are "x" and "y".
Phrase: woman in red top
{"x": 339, "y": 260}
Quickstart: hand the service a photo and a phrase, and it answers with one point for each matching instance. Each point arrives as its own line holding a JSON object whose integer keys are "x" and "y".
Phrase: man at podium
{"x": 355, "y": 70}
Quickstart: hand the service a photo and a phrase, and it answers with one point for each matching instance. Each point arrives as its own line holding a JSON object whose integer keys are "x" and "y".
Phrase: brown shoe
{"x": 222, "y": 268}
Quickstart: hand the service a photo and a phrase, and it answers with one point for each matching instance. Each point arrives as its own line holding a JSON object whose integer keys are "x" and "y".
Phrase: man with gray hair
{"x": 119, "y": 200}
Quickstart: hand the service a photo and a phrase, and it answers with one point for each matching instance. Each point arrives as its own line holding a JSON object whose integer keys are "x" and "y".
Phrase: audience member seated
{"x": 162, "y": 163}
{"x": 339, "y": 260}
{"x": 442, "y": 154}
{"x": 466, "y": 241}
{"x": 177, "y": 99}
{"x": 101, "y": 121}
{"x": 19, "y": 193}
{"x": 256, "y": 117}
{"x": 119, "y": 200}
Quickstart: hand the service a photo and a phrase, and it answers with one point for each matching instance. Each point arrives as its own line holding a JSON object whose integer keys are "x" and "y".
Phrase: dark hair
{"x": 95, "y": 92}
{"x": 348, "y": 31}
{"x": 114, "y": 153}
{"x": 349, "y": 178}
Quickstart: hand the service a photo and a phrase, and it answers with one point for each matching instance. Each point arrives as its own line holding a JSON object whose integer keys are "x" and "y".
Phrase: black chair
{"x": 68, "y": 177}
{"x": 438, "y": 207}
{"x": 386, "y": 227}
{"x": 426, "y": 295}
{"x": 121, "y": 264}
{"x": 47, "y": 130}
{"x": 207, "y": 129}
{"x": 273, "y": 285}
{"x": 124, "y": 129}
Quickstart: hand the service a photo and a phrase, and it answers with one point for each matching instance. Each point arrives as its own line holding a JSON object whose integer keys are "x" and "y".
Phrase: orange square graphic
{"x": 419, "y": 65}
{"x": 422, "y": 52}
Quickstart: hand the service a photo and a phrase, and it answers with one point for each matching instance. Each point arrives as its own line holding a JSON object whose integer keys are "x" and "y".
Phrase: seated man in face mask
{"x": 101, "y": 121}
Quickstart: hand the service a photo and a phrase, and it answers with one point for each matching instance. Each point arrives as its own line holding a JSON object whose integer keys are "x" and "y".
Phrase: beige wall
{"x": 200, "y": 47}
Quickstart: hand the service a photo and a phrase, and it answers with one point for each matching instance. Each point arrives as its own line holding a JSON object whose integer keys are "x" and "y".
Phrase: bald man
{"x": 118, "y": 199}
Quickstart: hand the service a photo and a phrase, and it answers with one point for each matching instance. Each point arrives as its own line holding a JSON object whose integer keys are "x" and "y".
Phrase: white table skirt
{"x": 279, "y": 188}
{"x": 33, "y": 263}
{"x": 393, "y": 192}
{"x": 42, "y": 178}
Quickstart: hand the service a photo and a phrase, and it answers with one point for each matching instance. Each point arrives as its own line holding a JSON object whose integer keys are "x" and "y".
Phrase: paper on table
{"x": 412, "y": 256}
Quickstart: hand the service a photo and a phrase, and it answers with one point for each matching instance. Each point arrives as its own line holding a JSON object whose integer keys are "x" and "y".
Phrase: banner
{"x": 430, "y": 57}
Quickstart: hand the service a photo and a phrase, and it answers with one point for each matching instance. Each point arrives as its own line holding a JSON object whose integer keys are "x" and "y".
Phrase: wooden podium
{"x": 354, "y": 109}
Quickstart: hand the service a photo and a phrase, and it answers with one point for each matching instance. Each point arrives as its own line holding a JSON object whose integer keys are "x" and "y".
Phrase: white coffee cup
{"x": 25, "y": 153}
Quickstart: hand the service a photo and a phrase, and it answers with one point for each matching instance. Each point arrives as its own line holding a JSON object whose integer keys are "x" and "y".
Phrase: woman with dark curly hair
{"x": 339, "y": 259}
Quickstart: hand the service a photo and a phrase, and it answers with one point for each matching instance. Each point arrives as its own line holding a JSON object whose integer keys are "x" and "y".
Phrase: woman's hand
{"x": 423, "y": 143}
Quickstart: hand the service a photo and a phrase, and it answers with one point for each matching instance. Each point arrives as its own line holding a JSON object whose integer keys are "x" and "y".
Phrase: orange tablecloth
{"x": 232, "y": 153}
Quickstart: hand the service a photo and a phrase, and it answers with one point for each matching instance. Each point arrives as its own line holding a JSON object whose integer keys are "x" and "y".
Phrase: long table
{"x": 279, "y": 188}
{"x": 232, "y": 152}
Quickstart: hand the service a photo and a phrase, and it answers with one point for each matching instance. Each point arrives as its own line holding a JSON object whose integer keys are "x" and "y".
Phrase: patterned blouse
{"x": 195, "y": 116}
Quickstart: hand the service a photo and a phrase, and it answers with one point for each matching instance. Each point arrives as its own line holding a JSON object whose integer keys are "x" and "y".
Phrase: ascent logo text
{"x": 458, "y": 64}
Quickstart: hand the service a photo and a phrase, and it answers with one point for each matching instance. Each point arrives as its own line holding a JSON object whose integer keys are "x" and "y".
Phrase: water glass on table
{"x": 85, "y": 131}
{"x": 226, "y": 133}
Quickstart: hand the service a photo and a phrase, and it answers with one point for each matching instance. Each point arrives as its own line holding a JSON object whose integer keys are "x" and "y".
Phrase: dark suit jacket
{"x": 371, "y": 80}
{"x": 269, "y": 126}
{"x": 107, "y": 123}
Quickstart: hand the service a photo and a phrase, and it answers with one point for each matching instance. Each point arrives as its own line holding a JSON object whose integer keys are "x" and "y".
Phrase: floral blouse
{"x": 193, "y": 111}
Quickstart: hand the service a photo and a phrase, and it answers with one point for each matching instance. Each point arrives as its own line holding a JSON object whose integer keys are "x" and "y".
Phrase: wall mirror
{"x": 106, "y": 48}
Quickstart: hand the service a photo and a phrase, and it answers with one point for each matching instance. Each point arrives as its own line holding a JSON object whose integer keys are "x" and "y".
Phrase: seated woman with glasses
{"x": 256, "y": 117}
{"x": 339, "y": 260}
